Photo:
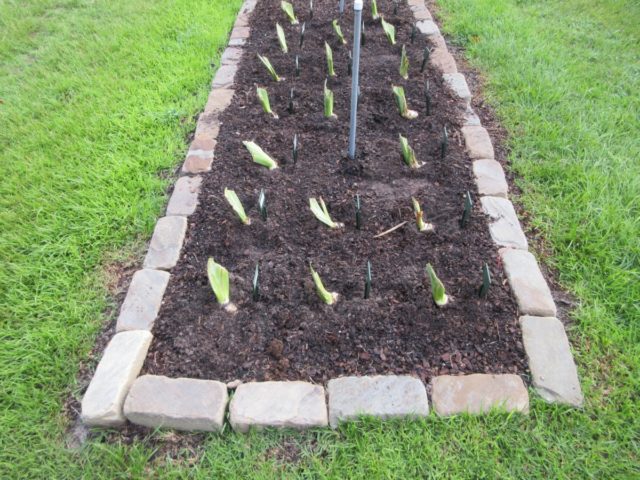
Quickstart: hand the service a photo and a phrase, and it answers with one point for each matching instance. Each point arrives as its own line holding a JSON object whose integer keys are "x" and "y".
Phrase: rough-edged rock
{"x": 297, "y": 405}
{"x": 440, "y": 56}
{"x": 142, "y": 303}
{"x": 178, "y": 403}
{"x": 224, "y": 76}
{"x": 553, "y": 370}
{"x": 120, "y": 364}
{"x": 527, "y": 283}
{"x": 458, "y": 84}
{"x": 505, "y": 227}
{"x": 490, "y": 178}
{"x": 428, "y": 27}
{"x": 166, "y": 243}
{"x": 478, "y": 393}
{"x": 184, "y": 198}
{"x": 379, "y": 396}
{"x": 478, "y": 143}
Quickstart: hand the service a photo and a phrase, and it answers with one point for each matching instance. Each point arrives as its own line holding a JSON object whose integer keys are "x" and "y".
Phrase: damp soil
{"x": 289, "y": 334}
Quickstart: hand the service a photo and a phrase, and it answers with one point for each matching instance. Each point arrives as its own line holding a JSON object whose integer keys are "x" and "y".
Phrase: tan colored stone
{"x": 440, "y": 56}
{"x": 478, "y": 393}
{"x": 218, "y": 101}
{"x": 202, "y": 143}
{"x": 184, "y": 198}
{"x": 178, "y": 403}
{"x": 166, "y": 243}
{"x": 198, "y": 163}
{"x": 505, "y": 227}
{"x": 224, "y": 76}
{"x": 428, "y": 27}
{"x": 231, "y": 56}
{"x": 490, "y": 178}
{"x": 240, "y": 33}
{"x": 142, "y": 303}
{"x": 478, "y": 143}
{"x": 458, "y": 84}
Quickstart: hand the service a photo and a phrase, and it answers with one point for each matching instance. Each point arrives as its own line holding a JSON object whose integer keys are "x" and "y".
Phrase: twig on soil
{"x": 390, "y": 230}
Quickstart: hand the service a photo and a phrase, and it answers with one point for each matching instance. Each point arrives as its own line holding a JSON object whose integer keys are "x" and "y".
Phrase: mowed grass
{"x": 97, "y": 98}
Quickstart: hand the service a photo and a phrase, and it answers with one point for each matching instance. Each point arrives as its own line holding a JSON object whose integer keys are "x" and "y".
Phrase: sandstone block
{"x": 458, "y": 84}
{"x": 478, "y": 143}
{"x": 505, "y": 227}
{"x": 166, "y": 243}
{"x": 184, "y": 199}
{"x": 490, "y": 178}
{"x": 142, "y": 303}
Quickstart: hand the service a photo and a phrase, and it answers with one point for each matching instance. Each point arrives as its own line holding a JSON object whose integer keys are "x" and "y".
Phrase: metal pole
{"x": 355, "y": 73}
{"x": 341, "y": 6}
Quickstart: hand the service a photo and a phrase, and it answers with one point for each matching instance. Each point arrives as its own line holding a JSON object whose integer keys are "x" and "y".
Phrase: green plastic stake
{"x": 349, "y": 67}
{"x": 414, "y": 30}
{"x": 262, "y": 205}
{"x": 486, "y": 281}
{"x": 358, "y": 214}
{"x": 367, "y": 281}
{"x": 427, "y": 97}
{"x": 291, "y": 94}
{"x": 310, "y": 9}
{"x": 302, "y": 33}
{"x": 395, "y": 7}
{"x": 362, "y": 35}
{"x": 466, "y": 214}
{"x": 425, "y": 58}
{"x": 256, "y": 287}
{"x": 295, "y": 149}
{"x": 444, "y": 143}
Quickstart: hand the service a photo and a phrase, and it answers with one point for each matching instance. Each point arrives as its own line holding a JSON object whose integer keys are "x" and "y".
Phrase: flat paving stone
{"x": 240, "y": 33}
{"x": 478, "y": 143}
{"x": 532, "y": 293}
{"x": 471, "y": 119}
{"x": 458, "y": 83}
{"x": 166, "y": 243}
{"x": 231, "y": 56}
{"x": 202, "y": 144}
{"x": 178, "y": 403}
{"x": 219, "y": 99}
{"x": 142, "y": 303}
{"x": 198, "y": 162}
{"x": 505, "y": 227}
{"x": 440, "y": 56}
{"x": 553, "y": 370}
{"x": 224, "y": 76}
{"x": 118, "y": 368}
{"x": 490, "y": 178}
{"x": 184, "y": 198}
{"x": 297, "y": 405}
{"x": 478, "y": 393}
{"x": 428, "y": 27}
{"x": 383, "y": 396}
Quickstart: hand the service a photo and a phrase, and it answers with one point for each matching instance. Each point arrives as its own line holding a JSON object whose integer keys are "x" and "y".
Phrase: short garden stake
{"x": 349, "y": 65}
{"x": 304, "y": 25}
{"x": 444, "y": 143}
{"x": 297, "y": 66}
{"x": 367, "y": 281}
{"x": 427, "y": 97}
{"x": 466, "y": 214}
{"x": 414, "y": 30}
{"x": 395, "y": 7}
{"x": 425, "y": 58}
{"x": 256, "y": 287}
{"x": 291, "y": 94}
{"x": 310, "y": 9}
{"x": 262, "y": 205}
{"x": 362, "y": 35}
{"x": 358, "y": 213}
{"x": 486, "y": 281}
{"x": 295, "y": 149}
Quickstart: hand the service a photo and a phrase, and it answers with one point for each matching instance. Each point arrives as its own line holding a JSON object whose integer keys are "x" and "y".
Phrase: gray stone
{"x": 505, "y": 228}
{"x": 198, "y": 162}
{"x": 178, "y": 403}
{"x": 166, "y": 243}
{"x": 231, "y": 56}
{"x": 490, "y": 178}
{"x": 184, "y": 198}
{"x": 224, "y": 76}
{"x": 237, "y": 42}
{"x": 471, "y": 119}
{"x": 458, "y": 84}
{"x": 440, "y": 56}
{"x": 248, "y": 6}
{"x": 421, "y": 13}
{"x": 527, "y": 283}
{"x": 142, "y": 303}
{"x": 478, "y": 393}
{"x": 428, "y": 27}
{"x": 120, "y": 364}
{"x": 296, "y": 405}
{"x": 380, "y": 396}
{"x": 218, "y": 100}
{"x": 478, "y": 143}
{"x": 553, "y": 370}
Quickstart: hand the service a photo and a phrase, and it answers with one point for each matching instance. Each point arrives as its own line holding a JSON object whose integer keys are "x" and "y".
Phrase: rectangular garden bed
{"x": 288, "y": 333}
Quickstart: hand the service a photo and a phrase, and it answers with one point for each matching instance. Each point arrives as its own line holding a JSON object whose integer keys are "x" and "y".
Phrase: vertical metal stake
{"x": 355, "y": 74}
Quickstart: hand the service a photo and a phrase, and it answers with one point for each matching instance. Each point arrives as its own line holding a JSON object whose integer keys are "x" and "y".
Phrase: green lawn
{"x": 97, "y": 98}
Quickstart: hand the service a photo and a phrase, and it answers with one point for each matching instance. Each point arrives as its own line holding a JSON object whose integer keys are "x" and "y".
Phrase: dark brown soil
{"x": 289, "y": 333}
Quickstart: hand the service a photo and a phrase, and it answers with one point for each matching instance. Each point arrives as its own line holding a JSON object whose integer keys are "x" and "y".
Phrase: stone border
{"x": 115, "y": 395}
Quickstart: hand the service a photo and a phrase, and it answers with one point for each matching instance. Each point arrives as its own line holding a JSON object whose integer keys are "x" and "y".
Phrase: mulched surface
{"x": 290, "y": 334}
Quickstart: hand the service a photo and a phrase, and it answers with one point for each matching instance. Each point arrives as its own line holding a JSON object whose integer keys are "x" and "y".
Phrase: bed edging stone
{"x": 157, "y": 401}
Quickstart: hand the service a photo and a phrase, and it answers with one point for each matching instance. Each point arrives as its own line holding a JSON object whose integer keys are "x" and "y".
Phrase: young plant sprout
{"x": 297, "y": 62}
{"x": 304, "y": 26}
{"x": 295, "y": 149}
{"x": 466, "y": 214}
{"x": 425, "y": 58}
{"x": 374, "y": 10}
{"x": 236, "y": 204}
{"x": 437, "y": 288}
{"x": 427, "y": 97}
{"x": 282, "y": 39}
{"x": 262, "y": 205}
{"x": 408, "y": 154}
{"x": 444, "y": 143}
{"x": 288, "y": 10}
{"x": 389, "y": 31}
{"x": 219, "y": 281}
{"x": 328, "y": 102}
{"x": 420, "y": 223}
{"x": 414, "y": 31}
{"x": 404, "y": 64}
{"x": 483, "y": 291}
{"x": 358, "y": 213}
{"x": 367, "y": 281}
{"x": 272, "y": 71}
{"x": 326, "y": 296}
{"x": 263, "y": 98}
{"x": 401, "y": 103}
{"x": 338, "y": 30}
{"x": 255, "y": 294}
{"x": 329, "y": 53}
{"x": 322, "y": 214}
{"x": 259, "y": 156}
{"x": 291, "y": 95}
